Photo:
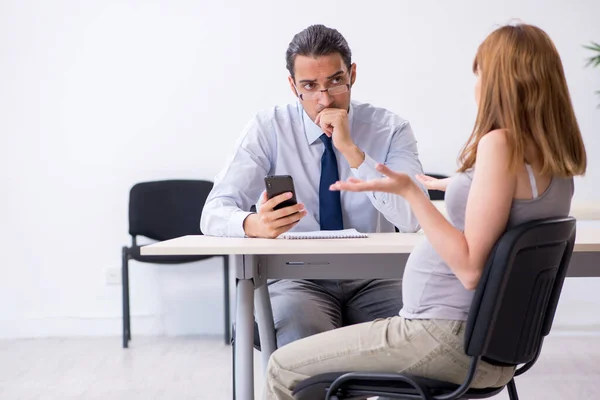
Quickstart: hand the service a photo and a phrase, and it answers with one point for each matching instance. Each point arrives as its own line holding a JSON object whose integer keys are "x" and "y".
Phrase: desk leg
{"x": 244, "y": 366}
{"x": 266, "y": 327}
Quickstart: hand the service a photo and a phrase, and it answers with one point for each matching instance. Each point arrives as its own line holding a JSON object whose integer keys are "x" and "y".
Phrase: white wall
{"x": 98, "y": 95}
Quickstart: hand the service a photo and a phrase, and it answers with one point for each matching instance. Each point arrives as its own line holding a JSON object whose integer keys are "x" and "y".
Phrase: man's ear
{"x": 292, "y": 85}
{"x": 352, "y": 74}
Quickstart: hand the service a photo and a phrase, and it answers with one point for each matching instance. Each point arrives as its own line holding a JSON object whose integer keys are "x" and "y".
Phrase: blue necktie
{"x": 330, "y": 204}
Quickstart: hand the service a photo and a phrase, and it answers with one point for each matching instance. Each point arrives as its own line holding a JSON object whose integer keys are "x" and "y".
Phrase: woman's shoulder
{"x": 493, "y": 151}
{"x": 494, "y": 139}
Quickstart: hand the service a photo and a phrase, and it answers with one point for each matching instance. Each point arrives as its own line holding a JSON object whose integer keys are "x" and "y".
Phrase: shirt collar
{"x": 312, "y": 130}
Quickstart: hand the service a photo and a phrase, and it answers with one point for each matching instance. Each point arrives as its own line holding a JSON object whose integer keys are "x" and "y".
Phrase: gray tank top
{"x": 429, "y": 288}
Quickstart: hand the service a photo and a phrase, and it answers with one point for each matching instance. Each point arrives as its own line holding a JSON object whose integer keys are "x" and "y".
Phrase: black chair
{"x": 437, "y": 194}
{"x": 164, "y": 210}
{"x": 512, "y": 311}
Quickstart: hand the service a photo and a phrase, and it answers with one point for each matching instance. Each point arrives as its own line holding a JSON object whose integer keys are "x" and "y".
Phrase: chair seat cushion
{"x": 315, "y": 387}
{"x": 134, "y": 253}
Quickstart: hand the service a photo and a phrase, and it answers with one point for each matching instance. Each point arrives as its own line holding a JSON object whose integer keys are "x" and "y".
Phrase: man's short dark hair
{"x": 315, "y": 41}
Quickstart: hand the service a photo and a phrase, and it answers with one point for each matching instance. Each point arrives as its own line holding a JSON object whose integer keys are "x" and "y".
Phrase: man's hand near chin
{"x": 334, "y": 123}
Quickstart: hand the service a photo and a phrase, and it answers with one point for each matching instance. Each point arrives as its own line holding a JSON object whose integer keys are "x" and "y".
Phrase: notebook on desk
{"x": 339, "y": 234}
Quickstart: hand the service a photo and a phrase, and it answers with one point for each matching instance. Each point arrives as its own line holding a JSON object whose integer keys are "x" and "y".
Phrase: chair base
{"x": 316, "y": 387}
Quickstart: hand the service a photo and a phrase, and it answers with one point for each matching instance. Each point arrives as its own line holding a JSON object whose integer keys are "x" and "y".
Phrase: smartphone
{"x": 278, "y": 184}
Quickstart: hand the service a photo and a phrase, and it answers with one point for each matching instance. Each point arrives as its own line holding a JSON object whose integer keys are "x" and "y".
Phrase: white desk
{"x": 381, "y": 255}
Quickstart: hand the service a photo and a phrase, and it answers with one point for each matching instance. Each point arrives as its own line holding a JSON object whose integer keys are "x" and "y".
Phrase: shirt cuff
{"x": 367, "y": 171}
{"x": 236, "y": 224}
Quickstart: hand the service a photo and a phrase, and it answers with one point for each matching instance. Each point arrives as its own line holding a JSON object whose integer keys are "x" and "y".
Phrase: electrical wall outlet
{"x": 112, "y": 276}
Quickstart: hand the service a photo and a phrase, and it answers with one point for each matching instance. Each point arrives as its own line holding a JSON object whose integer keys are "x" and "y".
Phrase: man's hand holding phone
{"x": 270, "y": 223}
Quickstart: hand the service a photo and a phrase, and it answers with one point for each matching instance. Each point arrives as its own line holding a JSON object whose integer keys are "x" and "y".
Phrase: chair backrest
{"x": 163, "y": 210}
{"x": 436, "y": 194}
{"x": 515, "y": 301}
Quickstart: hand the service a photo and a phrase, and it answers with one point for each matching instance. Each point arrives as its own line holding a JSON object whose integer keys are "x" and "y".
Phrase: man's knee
{"x": 300, "y": 316}
{"x": 294, "y": 327}
{"x": 381, "y": 298}
{"x": 301, "y": 309}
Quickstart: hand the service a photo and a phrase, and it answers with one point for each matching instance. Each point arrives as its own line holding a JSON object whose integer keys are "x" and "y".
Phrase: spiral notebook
{"x": 339, "y": 234}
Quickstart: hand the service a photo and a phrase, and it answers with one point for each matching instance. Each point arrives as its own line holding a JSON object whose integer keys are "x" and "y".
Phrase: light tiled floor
{"x": 200, "y": 368}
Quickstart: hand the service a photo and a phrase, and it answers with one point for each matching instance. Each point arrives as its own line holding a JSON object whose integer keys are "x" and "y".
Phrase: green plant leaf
{"x": 594, "y": 61}
{"x": 594, "y": 46}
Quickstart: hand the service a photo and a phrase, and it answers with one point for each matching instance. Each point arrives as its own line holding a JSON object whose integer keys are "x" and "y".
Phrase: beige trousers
{"x": 428, "y": 348}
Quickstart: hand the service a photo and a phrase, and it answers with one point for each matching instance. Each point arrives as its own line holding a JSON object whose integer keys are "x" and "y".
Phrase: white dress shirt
{"x": 285, "y": 141}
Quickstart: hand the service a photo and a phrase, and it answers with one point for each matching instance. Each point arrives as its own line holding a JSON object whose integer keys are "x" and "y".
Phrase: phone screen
{"x": 279, "y": 184}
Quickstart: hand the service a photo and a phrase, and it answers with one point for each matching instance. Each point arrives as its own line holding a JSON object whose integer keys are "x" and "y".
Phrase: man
{"x": 322, "y": 138}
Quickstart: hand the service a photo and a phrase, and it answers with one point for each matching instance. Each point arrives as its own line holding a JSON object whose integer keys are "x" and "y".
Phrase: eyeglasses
{"x": 333, "y": 91}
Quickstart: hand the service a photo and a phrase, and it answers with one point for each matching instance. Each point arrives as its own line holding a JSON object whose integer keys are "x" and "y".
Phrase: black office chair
{"x": 512, "y": 311}
{"x": 164, "y": 210}
{"x": 437, "y": 194}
